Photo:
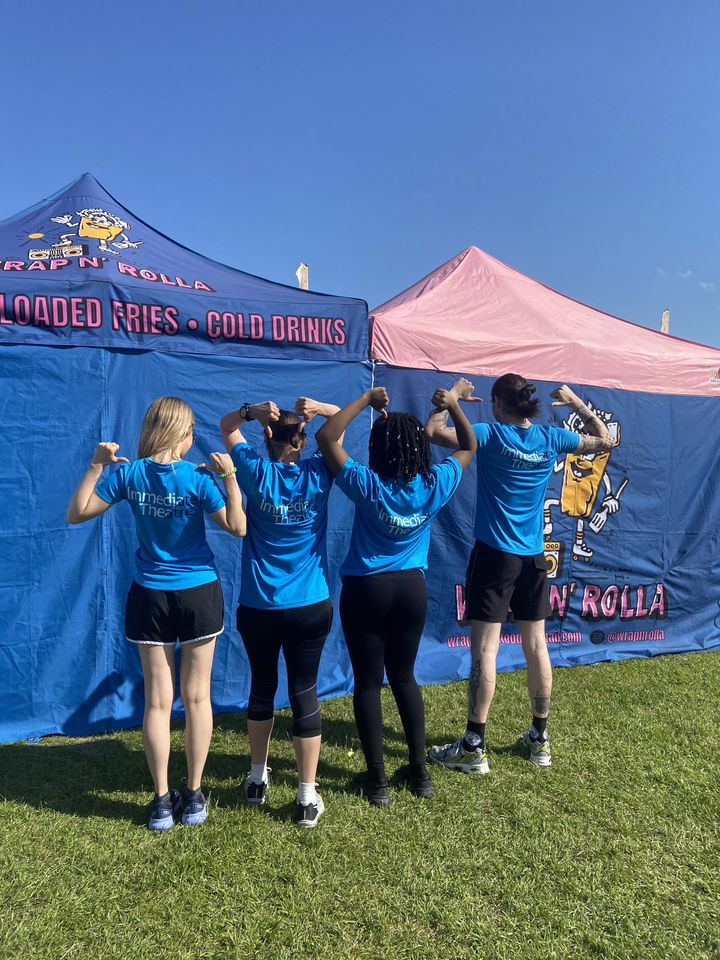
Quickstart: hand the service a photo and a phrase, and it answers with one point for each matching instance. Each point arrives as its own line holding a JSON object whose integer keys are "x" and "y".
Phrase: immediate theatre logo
{"x": 93, "y": 223}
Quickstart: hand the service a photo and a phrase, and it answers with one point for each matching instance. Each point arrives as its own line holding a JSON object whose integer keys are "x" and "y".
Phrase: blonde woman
{"x": 175, "y": 595}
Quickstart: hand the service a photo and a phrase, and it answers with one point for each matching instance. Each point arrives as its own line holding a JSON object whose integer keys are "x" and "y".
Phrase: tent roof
{"x": 155, "y": 251}
{"x": 479, "y": 316}
{"x": 82, "y": 242}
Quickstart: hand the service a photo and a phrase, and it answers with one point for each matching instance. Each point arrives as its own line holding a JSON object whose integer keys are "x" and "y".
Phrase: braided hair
{"x": 516, "y": 395}
{"x": 399, "y": 449}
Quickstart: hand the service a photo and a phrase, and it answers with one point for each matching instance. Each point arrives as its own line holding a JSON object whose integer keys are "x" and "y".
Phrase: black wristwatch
{"x": 244, "y": 412}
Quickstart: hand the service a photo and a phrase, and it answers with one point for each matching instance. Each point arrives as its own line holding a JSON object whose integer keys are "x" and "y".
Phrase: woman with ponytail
{"x": 175, "y": 595}
{"x": 284, "y": 596}
{"x": 383, "y": 601}
{"x": 507, "y": 567}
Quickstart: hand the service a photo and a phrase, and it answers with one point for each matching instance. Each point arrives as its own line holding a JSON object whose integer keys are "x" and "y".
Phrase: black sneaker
{"x": 375, "y": 792}
{"x": 308, "y": 814}
{"x": 417, "y": 780}
{"x": 163, "y": 810}
{"x": 256, "y": 793}
{"x": 194, "y": 806}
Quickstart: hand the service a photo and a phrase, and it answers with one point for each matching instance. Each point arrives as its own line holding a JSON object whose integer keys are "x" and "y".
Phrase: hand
{"x": 611, "y": 504}
{"x": 378, "y": 399}
{"x": 445, "y": 399}
{"x": 105, "y": 453}
{"x": 65, "y": 220}
{"x": 265, "y": 412}
{"x": 565, "y": 397}
{"x": 307, "y": 408}
{"x": 219, "y": 463}
{"x": 463, "y": 390}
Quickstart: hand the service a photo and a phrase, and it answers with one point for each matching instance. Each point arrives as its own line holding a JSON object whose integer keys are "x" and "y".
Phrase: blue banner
{"x": 65, "y": 666}
{"x": 632, "y": 537}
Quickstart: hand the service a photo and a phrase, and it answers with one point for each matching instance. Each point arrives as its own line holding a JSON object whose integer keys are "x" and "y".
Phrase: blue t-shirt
{"x": 391, "y": 529}
{"x": 284, "y": 558}
{"x": 514, "y": 464}
{"x": 167, "y": 501}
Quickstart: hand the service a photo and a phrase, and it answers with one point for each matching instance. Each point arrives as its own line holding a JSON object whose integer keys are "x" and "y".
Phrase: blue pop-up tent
{"x": 100, "y": 314}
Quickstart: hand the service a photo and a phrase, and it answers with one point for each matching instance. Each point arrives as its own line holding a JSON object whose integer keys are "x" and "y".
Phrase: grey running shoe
{"x": 539, "y": 748}
{"x": 456, "y": 756}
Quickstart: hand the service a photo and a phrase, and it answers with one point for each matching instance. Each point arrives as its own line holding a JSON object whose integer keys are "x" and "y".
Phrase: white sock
{"x": 306, "y": 793}
{"x": 258, "y": 773}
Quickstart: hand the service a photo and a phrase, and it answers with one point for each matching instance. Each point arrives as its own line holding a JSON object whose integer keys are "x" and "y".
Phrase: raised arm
{"x": 231, "y": 423}
{"x": 447, "y": 401}
{"x": 596, "y": 436}
{"x": 436, "y": 425}
{"x": 330, "y": 434}
{"x": 231, "y": 517}
{"x": 85, "y": 503}
{"x": 307, "y": 408}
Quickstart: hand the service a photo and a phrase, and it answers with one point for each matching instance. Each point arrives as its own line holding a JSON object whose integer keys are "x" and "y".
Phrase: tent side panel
{"x": 637, "y": 576}
{"x": 65, "y": 666}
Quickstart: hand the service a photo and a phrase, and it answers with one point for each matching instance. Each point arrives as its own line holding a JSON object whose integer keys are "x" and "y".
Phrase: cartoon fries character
{"x": 102, "y": 226}
{"x": 584, "y": 475}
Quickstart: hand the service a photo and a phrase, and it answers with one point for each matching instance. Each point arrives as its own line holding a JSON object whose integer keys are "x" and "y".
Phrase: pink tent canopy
{"x": 477, "y": 315}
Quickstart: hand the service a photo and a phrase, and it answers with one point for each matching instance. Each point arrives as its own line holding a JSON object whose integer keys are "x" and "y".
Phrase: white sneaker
{"x": 308, "y": 814}
{"x": 539, "y": 749}
{"x": 455, "y": 756}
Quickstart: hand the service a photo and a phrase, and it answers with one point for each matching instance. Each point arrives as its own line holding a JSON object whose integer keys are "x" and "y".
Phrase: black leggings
{"x": 300, "y": 633}
{"x": 383, "y": 618}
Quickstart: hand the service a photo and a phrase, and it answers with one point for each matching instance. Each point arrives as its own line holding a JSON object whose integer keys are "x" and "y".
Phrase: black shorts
{"x": 164, "y": 616}
{"x": 497, "y": 582}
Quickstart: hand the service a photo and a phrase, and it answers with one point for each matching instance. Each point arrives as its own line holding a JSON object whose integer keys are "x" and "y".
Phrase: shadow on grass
{"x": 74, "y": 778}
{"x": 79, "y": 778}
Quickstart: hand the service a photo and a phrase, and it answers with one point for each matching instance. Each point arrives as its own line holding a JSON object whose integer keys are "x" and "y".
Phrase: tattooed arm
{"x": 596, "y": 436}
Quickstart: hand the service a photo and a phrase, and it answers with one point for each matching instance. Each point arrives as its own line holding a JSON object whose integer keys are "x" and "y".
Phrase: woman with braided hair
{"x": 383, "y": 601}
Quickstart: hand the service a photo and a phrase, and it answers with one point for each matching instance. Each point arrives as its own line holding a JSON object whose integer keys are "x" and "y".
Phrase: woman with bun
{"x": 507, "y": 568}
{"x": 284, "y": 595}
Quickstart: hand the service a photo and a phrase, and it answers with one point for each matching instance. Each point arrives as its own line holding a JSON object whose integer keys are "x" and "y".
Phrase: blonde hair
{"x": 166, "y": 423}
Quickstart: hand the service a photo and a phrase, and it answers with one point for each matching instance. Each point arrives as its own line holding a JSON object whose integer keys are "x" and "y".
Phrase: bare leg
{"x": 259, "y": 736}
{"x": 539, "y": 670}
{"x": 195, "y": 669}
{"x": 158, "y": 664}
{"x": 484, "y": 644}
{"x": 307, "y": 754}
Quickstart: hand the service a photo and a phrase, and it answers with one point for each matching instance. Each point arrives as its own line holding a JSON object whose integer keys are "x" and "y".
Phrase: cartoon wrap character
{"x": 583, "y": 476}
{"x": 101, "y": 226}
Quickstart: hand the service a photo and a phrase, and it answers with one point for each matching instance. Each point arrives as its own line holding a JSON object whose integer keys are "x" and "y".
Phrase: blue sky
{"x": 576, "y": 141}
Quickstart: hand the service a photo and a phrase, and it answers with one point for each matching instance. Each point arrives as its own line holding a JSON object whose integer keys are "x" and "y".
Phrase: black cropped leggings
{"x": 383, "y": 618}
{"x": 300, "y": 633}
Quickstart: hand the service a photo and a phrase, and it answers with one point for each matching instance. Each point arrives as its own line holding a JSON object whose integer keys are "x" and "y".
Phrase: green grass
{"x": 613, "y": 852}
